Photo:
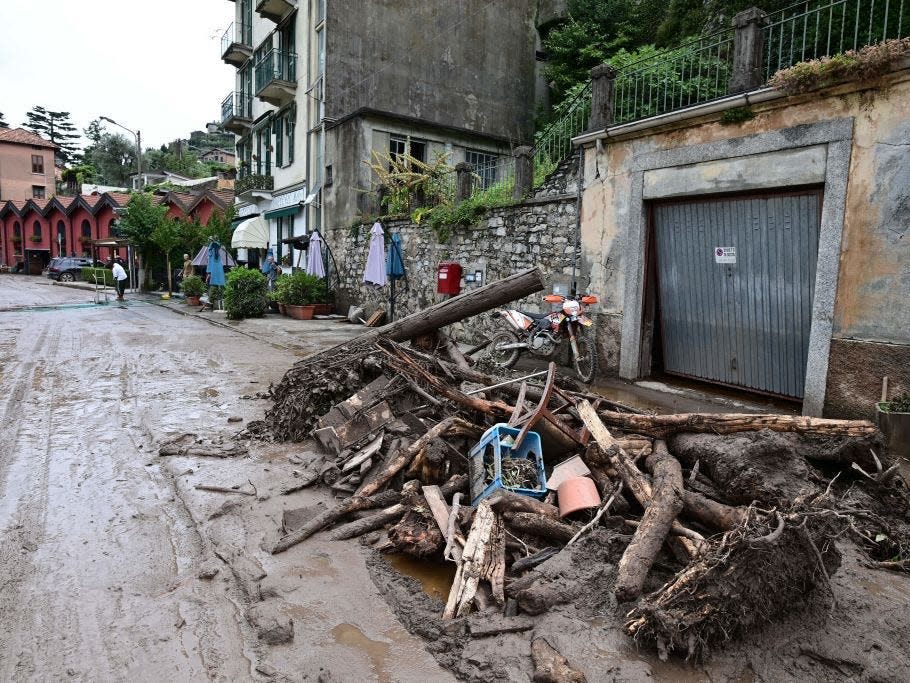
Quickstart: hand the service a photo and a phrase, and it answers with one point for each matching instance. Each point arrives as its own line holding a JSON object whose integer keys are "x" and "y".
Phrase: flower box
{"x": 300, "y": 312}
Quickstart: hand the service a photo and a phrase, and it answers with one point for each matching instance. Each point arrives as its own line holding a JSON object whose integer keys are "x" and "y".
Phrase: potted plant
{"x": 192, "y": 287}
{"x": 279, "y": 293}
{"x": 893, "y": 418}
{"x": 35, "y": 239}
{"x": 298, "y": 295}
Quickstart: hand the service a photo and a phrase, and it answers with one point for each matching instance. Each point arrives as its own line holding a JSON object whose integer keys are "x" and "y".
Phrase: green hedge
{"x": 88, "y": 274}
{"x": 245, "y": 294}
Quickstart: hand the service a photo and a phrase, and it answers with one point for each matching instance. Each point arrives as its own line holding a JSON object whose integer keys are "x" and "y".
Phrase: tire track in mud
{"x": 25, "y": 531}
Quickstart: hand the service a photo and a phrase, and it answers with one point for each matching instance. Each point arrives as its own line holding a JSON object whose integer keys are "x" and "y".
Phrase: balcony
{"x": 253, "y": 186}
{"x": 237, "y": 44}
{"x": 237, "y": 112}
{"x": 275, "y": 10}
{"x": 276, "y": 77}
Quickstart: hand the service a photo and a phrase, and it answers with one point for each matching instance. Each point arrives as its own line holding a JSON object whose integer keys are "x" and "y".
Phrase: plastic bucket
{"x": 577, "y": 493}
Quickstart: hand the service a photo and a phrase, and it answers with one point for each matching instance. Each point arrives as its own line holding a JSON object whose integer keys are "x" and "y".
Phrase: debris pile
{"x": 712, "y": 523}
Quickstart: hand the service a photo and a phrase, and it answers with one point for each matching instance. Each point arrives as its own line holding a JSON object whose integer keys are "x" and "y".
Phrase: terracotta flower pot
{"x": 193, "y": 300}
{"x": 323, "y": 309}
{"x": 577, "y": 493}
{"x": 282, "y": 309}
{"x": 300, "y": 312}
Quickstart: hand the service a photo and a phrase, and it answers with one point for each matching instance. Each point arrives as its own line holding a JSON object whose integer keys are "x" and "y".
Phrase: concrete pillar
{"x": 524, "y": 173}
{"x": 464, "y": 181}
{"x": 602, "y": 82}
{"x": 748, "y": 50}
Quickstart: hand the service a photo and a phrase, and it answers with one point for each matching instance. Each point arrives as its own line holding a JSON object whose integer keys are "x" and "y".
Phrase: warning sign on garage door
{"x": 725, "y": 254}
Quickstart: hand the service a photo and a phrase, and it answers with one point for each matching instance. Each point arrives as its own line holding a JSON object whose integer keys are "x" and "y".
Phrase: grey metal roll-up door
{"x": 736, "y": 277}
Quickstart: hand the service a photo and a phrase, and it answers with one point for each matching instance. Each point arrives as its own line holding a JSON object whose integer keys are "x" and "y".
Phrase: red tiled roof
{"x": 41, "y": 203}
{"x": 226, "y": 197}
{"x": 64, "y": 201}
{"x": 20, "y": 136}
{"x": 120, "y": 198}
{"x": 91, "y": 199}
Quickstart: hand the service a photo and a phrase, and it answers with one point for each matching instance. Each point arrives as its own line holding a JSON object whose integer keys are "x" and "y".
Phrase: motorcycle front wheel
{"x": 586, "y": 361}
{"x": 504, "y": 358}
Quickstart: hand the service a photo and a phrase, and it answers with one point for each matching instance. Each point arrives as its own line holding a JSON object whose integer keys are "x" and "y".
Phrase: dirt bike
{"x": 543, "y": 333}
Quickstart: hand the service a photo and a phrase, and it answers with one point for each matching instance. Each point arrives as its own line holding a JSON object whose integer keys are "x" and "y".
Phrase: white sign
{"x": 248, "y": 210}
{"x": 283, "y": 201}
{"x": 725, "y": 254}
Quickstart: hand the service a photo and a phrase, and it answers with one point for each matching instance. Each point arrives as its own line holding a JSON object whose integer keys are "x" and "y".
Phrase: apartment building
{"x": 321, "y": 84}
{"x": 26, "y": 165}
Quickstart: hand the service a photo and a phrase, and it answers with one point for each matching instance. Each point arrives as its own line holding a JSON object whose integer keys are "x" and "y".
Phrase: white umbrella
{"x": 253, "y": 233}
{"x": 375, "y": 270}
{"x": 314, "y": 265}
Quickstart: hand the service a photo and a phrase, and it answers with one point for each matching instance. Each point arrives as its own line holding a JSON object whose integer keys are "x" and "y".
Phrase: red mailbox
{"x": 448, "y": 278}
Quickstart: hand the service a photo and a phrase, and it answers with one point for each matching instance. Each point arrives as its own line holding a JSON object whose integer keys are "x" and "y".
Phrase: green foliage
{"x": 55, "y": 126}
{"x": 409, "y": 181}
{"x": 192, "y": 285}
{"x": 898, "y": 404}
{"x": 166, "y": 235}
{"x": 254, "y": 181}
{"x": 300, "y": 289}
{"x": 113, "y": 155}
{"x": 104, "y": 274}
{"x": 245, "y": 294}
{"x": 176, "y": 160}
{"x": 869, "y": 62}
{"x": 737, "y": 115}
{"x": 140, "y": 220}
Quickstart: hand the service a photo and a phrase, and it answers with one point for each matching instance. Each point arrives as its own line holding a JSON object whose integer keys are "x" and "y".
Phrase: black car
{"x": 67, "y": 269}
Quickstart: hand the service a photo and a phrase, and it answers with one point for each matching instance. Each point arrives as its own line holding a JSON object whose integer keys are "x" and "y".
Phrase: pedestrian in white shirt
{"x": 119, "y": 278}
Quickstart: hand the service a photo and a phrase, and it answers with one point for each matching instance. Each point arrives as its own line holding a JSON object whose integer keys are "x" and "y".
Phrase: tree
{"x": 167, "y": 237}
{"x": 56, "y": 127}
{"x": 114, "y": 157}
{"x": 139, "y": 221}
{"x": 3, "y": 123}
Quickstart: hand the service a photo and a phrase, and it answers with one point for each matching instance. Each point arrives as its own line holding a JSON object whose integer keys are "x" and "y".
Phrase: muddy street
{"x": 114, "y": 567}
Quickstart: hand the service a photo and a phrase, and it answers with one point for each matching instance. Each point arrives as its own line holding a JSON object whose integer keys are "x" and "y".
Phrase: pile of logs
{"x": 396, "y": 421}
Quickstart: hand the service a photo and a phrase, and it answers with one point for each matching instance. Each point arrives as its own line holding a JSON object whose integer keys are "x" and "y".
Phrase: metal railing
{"x": 239, "y": 33}
{"x": 254, "y": 181}
{"x": 810, "y": 30}
{"x": 237, "y": 104}
{"x": 555, "y": 142}
{"x": 275, "y": 65}
{"x": 499, "y": 172}
{"x": 697, "y": 71}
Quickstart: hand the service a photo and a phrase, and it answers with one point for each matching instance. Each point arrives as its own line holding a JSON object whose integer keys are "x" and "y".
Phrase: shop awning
{"x": 253, "y": 233}
{"x": 236, "y": 222}
{"x": 281, "y": 213}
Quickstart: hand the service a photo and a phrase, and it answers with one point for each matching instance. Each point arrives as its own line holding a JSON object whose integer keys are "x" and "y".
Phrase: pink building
{"x": 26, "y": 165}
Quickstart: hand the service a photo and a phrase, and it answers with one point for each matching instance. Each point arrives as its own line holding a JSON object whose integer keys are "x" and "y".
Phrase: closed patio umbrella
{"x": 314, "y": 263}
{"x": 375, "y": 270}
{"x": 202, "y": 257}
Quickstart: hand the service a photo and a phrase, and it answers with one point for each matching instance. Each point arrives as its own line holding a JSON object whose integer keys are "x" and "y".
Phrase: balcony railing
{"x": 252, "y": 182}
{"x": 237, "y": 105}
{"x": 236, "y": 44}
{"x": 275, "y": 65}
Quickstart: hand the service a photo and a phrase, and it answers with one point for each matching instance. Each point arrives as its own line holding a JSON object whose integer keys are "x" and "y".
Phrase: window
{"x": 36, "y": 230}
{"x": 38, "y": 191}
{"x": 278, "y": 131}
{"x": 37, "y": 163}
{"x": 17, "y": 230}
{"x": 484, "y": 166}
{"x": 61, "y": 237}
{"x": 86, "y": 229}
{"x": 399, "y": 146}
{"x": 328, "y": 176}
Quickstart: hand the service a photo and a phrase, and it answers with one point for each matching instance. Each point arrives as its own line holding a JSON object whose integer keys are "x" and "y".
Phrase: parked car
{"x": 67, "y": 269}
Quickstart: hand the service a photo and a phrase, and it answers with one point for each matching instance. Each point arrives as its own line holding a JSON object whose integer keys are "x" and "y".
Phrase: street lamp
{"x": 138, "y": 136}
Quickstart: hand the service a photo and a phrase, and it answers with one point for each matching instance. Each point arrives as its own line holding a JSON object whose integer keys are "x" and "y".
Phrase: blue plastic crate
{"x": 491, "y": 449}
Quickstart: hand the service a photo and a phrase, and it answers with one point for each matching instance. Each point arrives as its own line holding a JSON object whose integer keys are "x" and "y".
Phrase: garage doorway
{"x": 732, "y": 280}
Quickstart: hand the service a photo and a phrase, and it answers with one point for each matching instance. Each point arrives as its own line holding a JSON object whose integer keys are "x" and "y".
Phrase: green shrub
{"x": 245, "y": 294}
{"x": 192, "y": 285}
{"x": 104, "y": 274}
{"x": 898, "y": 404}
{"x": 301, "y": 289}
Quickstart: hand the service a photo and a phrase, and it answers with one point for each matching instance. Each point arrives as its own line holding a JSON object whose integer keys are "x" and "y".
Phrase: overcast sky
{"x": 152, "y": 66}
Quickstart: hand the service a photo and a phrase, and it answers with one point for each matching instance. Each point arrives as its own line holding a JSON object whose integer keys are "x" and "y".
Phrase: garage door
{"x": 736, "y": 277}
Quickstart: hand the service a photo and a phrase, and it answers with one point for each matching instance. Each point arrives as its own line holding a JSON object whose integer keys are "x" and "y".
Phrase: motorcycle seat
{"x": 535, "y": 316}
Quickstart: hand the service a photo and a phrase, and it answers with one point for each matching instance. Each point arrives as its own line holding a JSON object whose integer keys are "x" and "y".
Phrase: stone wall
{"x": 540, "y": 232}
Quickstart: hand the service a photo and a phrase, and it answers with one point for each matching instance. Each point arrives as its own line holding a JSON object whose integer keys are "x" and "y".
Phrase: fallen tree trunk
{"x": 371, "y": 523}
{"x": 540, "y": 526}
{"x": 666, "y": 504}
{"x": 506, "y": 501}
{"x": 661, "y": 426}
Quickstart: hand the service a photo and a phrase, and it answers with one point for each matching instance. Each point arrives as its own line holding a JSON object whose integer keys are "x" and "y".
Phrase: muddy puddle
{"x": 376, "y": 651}
{"x": 435, "y": 579}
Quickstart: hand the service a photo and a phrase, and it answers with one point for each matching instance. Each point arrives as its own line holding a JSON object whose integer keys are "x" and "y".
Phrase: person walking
{"x": 119, "y": 278}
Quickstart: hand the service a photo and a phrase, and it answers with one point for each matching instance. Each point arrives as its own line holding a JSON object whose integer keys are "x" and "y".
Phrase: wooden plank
{"x": 467, "y": 579}
{"x": 364, "y": 454}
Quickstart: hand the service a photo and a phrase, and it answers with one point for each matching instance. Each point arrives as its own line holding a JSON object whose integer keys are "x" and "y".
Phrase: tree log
{"x": 404, "y": 457}
{"x": 371, "y": 523}
{"x": 540, "y": 526}
{"x": 661, "y": 426}
{"x": 506, "y": 501}
{"x": 666, "y": 504}
{"x": 470, "y": 571}
{"x": 710, "y": 513}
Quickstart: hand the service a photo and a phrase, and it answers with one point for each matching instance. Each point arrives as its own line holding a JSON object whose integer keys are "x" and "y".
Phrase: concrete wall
{"x": 16, "y": 177}
{"x": 407, "y": 58}
{"x": 853, "y": 139}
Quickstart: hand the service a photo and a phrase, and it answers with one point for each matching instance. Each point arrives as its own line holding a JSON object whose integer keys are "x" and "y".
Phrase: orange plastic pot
{"x": 577, "y": 493}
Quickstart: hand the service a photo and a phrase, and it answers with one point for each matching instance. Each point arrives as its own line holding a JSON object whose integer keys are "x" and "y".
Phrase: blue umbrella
{"x": 215, "y": 266}
{"x": 394, "y": 264}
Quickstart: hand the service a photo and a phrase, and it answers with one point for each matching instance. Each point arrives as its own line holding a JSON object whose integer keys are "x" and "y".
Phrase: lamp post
{"x": 138, "y": 136}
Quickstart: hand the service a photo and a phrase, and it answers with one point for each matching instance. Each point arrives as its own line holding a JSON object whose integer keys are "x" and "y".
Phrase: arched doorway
{"x": 61, "y": 238}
